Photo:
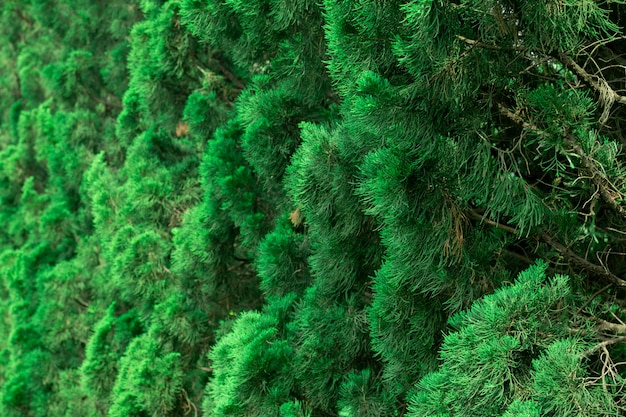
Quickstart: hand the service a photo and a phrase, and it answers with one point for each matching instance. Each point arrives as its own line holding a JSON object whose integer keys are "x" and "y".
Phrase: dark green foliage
{"x": 514, "y": 345}
{"x": 361, "y": 394}
{"x": 204, "y": 112}
{"x": 149, "y": 380}
{"x": 310, "y": 209}
{"x": 253, "y": 370}
{"x": 332, "y": 344}
{"x": 110, "y": 338}
{"x": 281, "y": 263}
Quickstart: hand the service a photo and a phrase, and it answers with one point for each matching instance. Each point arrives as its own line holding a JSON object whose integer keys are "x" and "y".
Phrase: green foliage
{"x": 563, "y": 386}
{"x": 252, "y": 366}
{"x": 511, "y": 346}
{"x": 363, "y": 395}
{"x": 110, "y": 338}
{"x": 523, "y": 408}
{"x": 332, "y": 343}
{"x": 282, "y": 259}
{"x": 149, "y": 380}
{"x": 300, "y": 209}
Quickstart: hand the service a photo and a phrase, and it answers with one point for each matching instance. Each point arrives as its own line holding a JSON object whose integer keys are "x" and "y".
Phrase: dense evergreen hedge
{"x": 298, "y": 208}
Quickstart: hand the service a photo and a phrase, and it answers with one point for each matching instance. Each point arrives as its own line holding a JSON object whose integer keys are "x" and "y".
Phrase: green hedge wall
{"x": 292, "y": 208}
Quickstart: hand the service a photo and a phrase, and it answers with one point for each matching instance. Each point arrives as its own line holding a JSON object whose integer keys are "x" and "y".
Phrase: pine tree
{"x": 298, "y": 208}
{"x": 512, "y": 347}
{"x": 469, "y": 141}
{"x": 58, "y": 110}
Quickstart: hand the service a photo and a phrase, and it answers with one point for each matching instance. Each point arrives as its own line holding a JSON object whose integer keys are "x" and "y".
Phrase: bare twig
{"x": 603, "y": 345}
{"x": 604, "y": 325}
{"x": 599, "y": 84}
{"x": 477, "y": 216}
{"x": 581, "y": 262}
{"x": 597, "y": 293}
{"x": 595, "y": 174}
{"x": 569, "y": 254}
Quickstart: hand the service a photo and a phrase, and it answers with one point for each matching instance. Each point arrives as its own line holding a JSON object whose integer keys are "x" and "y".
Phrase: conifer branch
{"x": 598, "y": 83}
{"x": 477, "y": 216}
{"x": 603, "y": 345}
{"x": 581, "y": 262}
{"x": 597, "y": 293}
{"x": 570, "y": 255}
{"x": 519, "y": 120}
{"x": 604, "y": 325}
{"x": 597, "y": 176}
{"x": 472, "y": 42}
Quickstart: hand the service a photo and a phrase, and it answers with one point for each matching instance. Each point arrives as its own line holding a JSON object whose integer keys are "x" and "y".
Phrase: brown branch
{"x": 29, "y": 22}
{"x": 518, "y": 119}
{"x": 81, "y": 302}
{"x": 581, "y": 262}
{"x": 518, "y": 256}
{"x": 598, "y": 178}
{"x": 491, "y": 47}
{"x": 480, "y": 44}
{"x": 477, "y": 216}
{"x": 569, "y": 254}
{"x": 597, "y": 293}
{"x": 189, "y": 404}
{"x": 232, "y": 77}
{"x": 236, "y": 265}
{"x": 599, "y": 84}
{"x": 603, "y": 345}
{"x": 604, "y": 325}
